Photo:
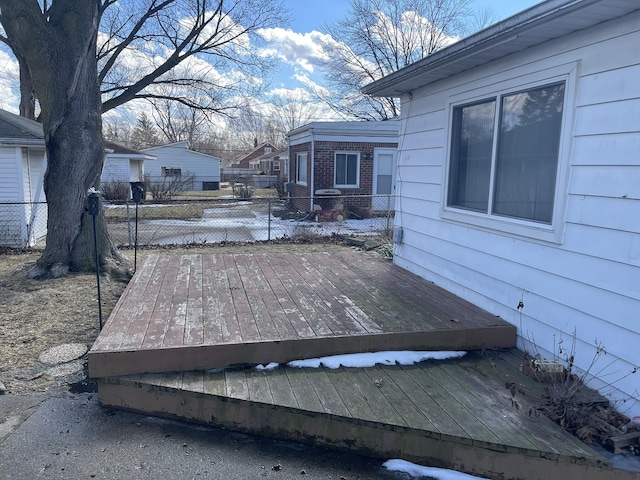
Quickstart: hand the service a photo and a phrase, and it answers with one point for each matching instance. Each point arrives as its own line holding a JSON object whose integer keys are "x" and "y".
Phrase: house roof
{"x": 116, "y": 149}
{"x": 279, "y": 154}
{"x": 183, "y": 144}
{"x": 387, "y": 127}
{"x": 17, "y": 130}
{"x": 255, "y": 152}
{"x": 538, "y": 24}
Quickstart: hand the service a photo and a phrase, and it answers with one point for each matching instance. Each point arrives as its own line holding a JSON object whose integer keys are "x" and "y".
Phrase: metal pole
{"x": 269, "y": 221}
{"x": 94, "y": 211}
{"x": 128, "y": 223}
{"x": 95, "y": 243}
{"x": 135, "y": 248}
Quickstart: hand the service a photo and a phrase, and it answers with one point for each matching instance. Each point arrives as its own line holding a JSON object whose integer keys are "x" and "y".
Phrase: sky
{"x": 300, "y": 47}
{"x": 308, "y": 15}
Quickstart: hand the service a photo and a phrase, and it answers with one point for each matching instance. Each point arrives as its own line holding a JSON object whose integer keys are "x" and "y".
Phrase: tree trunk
{"x": 27, "y": 92}
{"x": 59, "y": 48}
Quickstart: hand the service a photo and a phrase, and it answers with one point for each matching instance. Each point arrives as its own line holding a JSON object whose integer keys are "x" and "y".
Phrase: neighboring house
{"x": 123, "y": 164}
{"x": 519, "y": 180}
{"x": 356, "y": 158}
{"x": 23, "y": 211}
{"x": 175, "y": 159}
{"x": 274, "y": 163}
{"x": 246, "y": 160}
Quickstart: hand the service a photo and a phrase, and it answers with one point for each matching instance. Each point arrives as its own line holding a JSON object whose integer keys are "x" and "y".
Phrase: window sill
{"x": 507, "y": 226}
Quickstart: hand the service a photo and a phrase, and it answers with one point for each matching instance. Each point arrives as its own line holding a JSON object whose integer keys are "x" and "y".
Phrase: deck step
{"x": 452, "y": 414}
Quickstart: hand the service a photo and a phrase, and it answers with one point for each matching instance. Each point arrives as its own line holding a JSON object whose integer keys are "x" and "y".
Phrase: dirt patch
{"x": 37, "y": 315}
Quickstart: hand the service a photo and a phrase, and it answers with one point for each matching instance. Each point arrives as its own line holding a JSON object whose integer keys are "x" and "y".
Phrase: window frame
{"x": 335, "y": 170}
{"x": 171, "y": 171}
{"x": 546, "y": 232}
{"x": 302, "y": 157}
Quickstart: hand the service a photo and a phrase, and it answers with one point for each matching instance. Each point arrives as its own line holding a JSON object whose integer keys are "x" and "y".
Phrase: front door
{"x": 384, "y": 179}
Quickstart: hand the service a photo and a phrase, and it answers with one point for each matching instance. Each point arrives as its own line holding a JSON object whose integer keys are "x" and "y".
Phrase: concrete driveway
{"x": 70, "y": 436}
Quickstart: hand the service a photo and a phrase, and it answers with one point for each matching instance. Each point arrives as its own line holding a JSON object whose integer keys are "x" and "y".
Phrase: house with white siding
{"x": 23, "y": 208}
{"x": 175, "y": 159}
{"x": 123, "y": 164}
{"x": 519, "y": 181}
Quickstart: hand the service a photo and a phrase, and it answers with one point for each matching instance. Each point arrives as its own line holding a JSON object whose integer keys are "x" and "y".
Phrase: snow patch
{"x": 430, "y": 472}
{"x": 361, "y": 360}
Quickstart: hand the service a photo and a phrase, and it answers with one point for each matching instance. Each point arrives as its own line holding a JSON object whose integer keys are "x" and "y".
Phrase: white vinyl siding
{"x": 204, "y": 168}
{"x": 21, "y": 221}
{"x": 115, "y": 170}
{"x": 579, "y": 275}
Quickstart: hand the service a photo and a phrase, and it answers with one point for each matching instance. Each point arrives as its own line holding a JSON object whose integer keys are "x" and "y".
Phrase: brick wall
{"x": 324, "y": 172}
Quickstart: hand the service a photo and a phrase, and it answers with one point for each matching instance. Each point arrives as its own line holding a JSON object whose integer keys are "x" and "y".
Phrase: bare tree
{"x": 378, "y": 37}
{"x": 179, "y": 122}
{"x": 291, "y": 109}
{"x": 252, "y": 127}
{"x": 57, "y": 40}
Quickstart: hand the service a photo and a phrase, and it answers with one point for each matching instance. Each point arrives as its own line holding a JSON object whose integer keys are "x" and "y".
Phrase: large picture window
{"x": 347, "y": 170}
{"x": 504, "y": 154}
{"x": 301, "y": 168}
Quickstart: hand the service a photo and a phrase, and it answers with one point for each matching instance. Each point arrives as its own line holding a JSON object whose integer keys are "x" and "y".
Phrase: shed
{"x": 23, "y": 208}
{"x": 176, "y": 159}
{"x": 519, "y": 181}
{"x": 123, "y": 164}
{"x": 358, "y": 159}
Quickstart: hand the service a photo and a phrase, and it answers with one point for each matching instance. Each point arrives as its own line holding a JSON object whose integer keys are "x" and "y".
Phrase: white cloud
{"x": 304, "y": 50}
{"x": 9, "y": 82}
{"x": 306, "y": 81}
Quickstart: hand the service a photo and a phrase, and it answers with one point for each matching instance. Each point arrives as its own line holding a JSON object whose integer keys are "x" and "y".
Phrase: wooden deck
{"x": 195, "y": 312}
{"x": 184, "y": 339}
{"x": 457, "y": 414}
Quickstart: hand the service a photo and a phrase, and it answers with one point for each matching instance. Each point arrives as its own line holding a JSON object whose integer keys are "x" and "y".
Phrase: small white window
{"x": 171, "y": 172}
{"x": 347, "y": 170}
{"x": 301, "y": 168}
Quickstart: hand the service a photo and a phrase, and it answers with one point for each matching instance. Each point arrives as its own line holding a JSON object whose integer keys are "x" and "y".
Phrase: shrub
{"x": 169, "y": 186}
{"x": 241, "y": 188}
{"x": 116, "y": 191}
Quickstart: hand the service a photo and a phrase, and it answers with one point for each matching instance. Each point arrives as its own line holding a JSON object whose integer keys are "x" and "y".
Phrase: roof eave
{"x": 505, "y": 34}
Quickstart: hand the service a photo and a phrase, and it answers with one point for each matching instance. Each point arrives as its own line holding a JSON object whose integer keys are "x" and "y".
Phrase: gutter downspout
{"x": 312, "y": 177}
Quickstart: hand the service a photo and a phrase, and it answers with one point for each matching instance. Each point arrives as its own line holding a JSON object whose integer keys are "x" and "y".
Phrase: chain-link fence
{"x": 180, "y": 222}
{"x": 22, "y": 224}
{"x": 213, "y": 220}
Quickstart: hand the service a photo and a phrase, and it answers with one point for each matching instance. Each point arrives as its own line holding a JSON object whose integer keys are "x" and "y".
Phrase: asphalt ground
{"x": 70, "y": 436}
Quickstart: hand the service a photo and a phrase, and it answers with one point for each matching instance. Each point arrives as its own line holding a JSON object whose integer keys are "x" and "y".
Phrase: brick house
{"x": 246, "y": 160}
{"x": 350, "y": 159}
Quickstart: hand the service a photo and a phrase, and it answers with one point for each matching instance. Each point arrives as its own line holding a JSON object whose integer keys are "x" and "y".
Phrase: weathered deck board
{"x": 442, "y": 301}
{"x": 429, "y": 413}
{"x": 200, "y": 311}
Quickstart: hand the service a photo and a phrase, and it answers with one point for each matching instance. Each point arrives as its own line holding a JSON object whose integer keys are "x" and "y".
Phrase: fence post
{"x": 269, "y": 220}
{"x": 128, "y": 223}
